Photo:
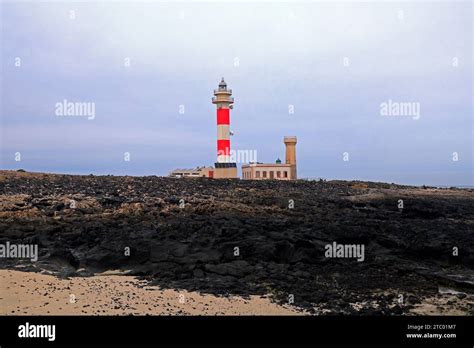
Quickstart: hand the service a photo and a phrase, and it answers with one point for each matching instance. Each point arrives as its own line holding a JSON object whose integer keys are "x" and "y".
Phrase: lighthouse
{"x": 223, "y": 100}
{"x": 224, "y": 167}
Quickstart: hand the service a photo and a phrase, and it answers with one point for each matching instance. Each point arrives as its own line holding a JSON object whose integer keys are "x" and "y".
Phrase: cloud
{"x": 286, "y": 54}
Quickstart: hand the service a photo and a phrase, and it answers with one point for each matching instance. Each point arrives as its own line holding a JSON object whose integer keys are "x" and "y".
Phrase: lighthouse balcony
{"x": 222, "y": 99}
{"x": 223, "y": 91}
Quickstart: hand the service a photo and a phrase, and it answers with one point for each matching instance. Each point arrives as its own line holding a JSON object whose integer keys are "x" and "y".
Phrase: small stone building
{"x": 199, "y": 172}
{"x": 262, "y": 171}
{"x": 277, "y": 170}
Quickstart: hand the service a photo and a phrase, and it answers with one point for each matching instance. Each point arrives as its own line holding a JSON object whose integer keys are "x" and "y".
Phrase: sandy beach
{"x": 27, "y": 293}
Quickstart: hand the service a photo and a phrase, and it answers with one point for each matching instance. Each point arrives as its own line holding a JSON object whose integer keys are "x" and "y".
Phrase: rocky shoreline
{"x": 236, "y": 237}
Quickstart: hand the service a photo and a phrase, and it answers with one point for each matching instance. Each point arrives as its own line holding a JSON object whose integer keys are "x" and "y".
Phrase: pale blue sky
{"x": 288, "y": 54}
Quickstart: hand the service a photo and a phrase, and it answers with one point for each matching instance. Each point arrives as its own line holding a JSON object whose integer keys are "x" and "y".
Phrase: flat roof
{"x": 281, "y": 165}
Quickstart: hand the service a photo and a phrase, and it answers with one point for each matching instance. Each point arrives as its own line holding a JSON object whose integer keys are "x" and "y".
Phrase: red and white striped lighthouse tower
{"x": 223, "y": 100}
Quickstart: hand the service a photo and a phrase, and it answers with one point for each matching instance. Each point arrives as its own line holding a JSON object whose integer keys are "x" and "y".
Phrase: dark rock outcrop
{"x": 241, "y": 237}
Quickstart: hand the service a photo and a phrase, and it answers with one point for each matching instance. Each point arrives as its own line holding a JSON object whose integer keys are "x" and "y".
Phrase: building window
{"x": 278, "y": 174}
{"x": 286, "y": 173}
{"x": 257, "y": 174}
{"x": 264, "y": 173}
{"x": 272, "y": 174}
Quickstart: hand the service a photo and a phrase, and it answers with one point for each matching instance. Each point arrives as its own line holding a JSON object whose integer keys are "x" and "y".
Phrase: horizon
{"x": 344, "y": 78}
{"x": 21, "y": 170}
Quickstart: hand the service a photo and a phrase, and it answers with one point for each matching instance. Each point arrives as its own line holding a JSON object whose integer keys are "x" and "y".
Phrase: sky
{"x": 318, "y": 70}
